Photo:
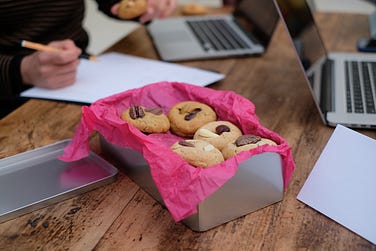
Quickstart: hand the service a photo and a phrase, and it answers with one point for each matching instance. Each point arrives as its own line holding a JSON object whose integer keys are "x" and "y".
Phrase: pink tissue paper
{"x": 181, "y": 185}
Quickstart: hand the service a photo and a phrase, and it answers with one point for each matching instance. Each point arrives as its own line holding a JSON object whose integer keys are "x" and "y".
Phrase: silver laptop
{"x": 247, "y": 31}
{"x": 343, "y": 84}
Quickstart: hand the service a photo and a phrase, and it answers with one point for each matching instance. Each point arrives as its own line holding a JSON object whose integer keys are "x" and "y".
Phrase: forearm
{"x": 10, "y": 76}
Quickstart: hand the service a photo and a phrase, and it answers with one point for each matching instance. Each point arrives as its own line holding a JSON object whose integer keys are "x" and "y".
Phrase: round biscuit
{"x": 149, "y": 123}
{"x": 231, "y": 149}
{"x": 130, "y": 9}
{"x": 198, "y": 153}
{"x": 194, "y": 9}
{"x": 218, "y": 133}
{"x": 187, "y": 116}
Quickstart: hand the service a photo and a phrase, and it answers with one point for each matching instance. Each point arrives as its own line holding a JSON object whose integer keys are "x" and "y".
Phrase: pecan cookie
{"x": 147, "y": 120}
{"x": 187, "y": 116}
{"x": 218, "y": 133}
{"x": 130, "y": 9}
{"x": 194, "y": 9}
{"x": 244, "y": 143}
{"x": 198, "y": 153}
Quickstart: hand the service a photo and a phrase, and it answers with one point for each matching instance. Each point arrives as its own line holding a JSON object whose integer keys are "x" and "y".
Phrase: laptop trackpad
{"x": 174, "y": 36}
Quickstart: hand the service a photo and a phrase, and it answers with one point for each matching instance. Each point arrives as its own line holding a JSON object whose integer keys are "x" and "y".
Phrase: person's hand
{"x": 156, "y": 9}
{"x": 52, "y": 70}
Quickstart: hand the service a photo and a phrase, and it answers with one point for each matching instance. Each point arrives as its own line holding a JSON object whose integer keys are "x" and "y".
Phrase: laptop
{"x": 343, "y": 84}
{"x": 246, "y": 31}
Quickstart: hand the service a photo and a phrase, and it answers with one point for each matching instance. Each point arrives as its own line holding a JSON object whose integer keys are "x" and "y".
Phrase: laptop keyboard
{"x": 216, "y": 34}
{"x": 361, "y": 86}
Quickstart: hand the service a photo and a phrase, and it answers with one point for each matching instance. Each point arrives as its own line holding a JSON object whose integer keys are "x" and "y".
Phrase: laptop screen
{"x": 303, "y": 30}
{"x": 301, "y": 26}
{"x": 310, "y": 49}
{"x": 258, "y": 17}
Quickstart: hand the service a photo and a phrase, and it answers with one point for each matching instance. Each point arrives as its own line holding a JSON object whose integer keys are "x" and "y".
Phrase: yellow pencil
{"x": 42, "y": 47}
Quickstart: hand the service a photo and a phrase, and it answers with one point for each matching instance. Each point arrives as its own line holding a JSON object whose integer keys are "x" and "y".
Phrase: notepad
{"x": 342, "y": 184}
{"x": 116, "y": 72}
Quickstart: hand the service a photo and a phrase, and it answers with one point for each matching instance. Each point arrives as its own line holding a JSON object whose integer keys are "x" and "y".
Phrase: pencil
{"x": 42, "y": 47}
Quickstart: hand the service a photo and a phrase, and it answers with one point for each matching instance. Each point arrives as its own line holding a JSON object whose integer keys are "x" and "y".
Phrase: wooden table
{"x": 121, "y": 216}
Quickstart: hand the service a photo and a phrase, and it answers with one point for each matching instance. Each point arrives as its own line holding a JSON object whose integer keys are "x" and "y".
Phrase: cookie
{"x": 147, "y": 120}
{"x": 198, "y": 153}
{"x": 244, "y": 143}
{"x": 187, "y": 116}
{"x": 194, "y": 9}
{"x": 130, "y": 9}
{"x": 218, "y": 133}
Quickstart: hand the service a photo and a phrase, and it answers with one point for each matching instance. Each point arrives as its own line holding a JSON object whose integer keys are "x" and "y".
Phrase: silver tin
{"x": 257, "y": 184}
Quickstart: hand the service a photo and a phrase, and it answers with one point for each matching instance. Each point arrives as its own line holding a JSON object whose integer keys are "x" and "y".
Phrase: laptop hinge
{"x": 246, "y": 32}
{"x": 326, "y": 95}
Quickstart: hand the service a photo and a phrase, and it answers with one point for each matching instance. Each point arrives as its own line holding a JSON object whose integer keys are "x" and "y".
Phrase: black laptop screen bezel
{"x": 258, "y": 19}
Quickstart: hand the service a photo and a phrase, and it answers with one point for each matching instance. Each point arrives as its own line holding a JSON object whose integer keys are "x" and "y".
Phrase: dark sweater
{"x": 40, "y": 21}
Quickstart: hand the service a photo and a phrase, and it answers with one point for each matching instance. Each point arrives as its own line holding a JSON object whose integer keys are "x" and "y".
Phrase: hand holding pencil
{"x": 52, "y": 66}
{"x": 42, "y": 47}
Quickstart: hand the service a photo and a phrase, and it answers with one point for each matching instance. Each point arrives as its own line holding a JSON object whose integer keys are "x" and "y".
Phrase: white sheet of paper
{"x": 342, "y": 184}
{"x": 115, "y": 72}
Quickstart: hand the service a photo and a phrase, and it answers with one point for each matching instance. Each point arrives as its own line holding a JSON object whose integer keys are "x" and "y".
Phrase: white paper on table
{"x": 342, "y": 184}
{"x": 115, "y": 72}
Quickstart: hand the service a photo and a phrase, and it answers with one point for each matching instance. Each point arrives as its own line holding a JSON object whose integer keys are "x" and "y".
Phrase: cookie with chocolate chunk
{"x": 244, "y": 143}
{"x": 147, "y": 120}
{"x": 218, "y": 133}
{"x": 130, "y": 9}
{"x": 198, "y": 153}
{"x": 194, "y": 9}
{"x": 187, "y": 116}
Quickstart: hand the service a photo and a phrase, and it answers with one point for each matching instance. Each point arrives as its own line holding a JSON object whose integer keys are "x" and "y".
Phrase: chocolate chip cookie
{"x": 244, "y": 143}
{"x": 147, "y": 120}
{"x": 187, "y": 116}
{"x": 194, "y": 9}
{"x": 198, "y": 153}
{"x": 130, "y": 9}
{"x": 218, "y": 133}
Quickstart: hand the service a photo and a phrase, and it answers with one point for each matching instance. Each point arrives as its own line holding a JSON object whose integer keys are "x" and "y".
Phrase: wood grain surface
{"x": 121, "y": 216}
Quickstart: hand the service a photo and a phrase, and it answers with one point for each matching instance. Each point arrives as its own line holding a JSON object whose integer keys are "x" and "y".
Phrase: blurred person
{"x": 57, "y": 23}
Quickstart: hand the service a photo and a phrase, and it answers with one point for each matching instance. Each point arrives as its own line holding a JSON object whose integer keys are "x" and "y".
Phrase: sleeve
{"x": 10, "y": 75}
{"x": 105, "y": 6}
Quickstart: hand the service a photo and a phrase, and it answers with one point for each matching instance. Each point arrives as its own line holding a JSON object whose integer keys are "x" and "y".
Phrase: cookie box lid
{"x": 46, "y": 180}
